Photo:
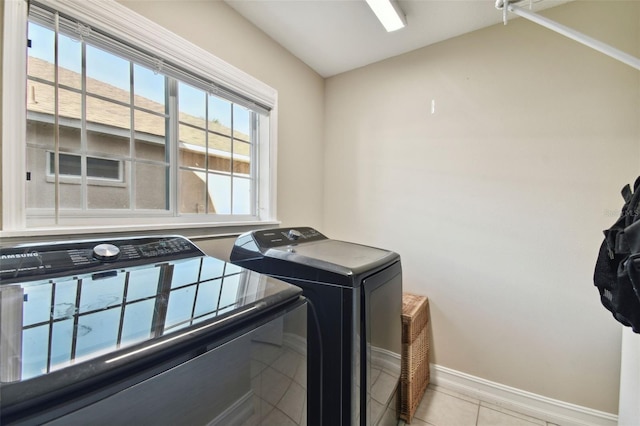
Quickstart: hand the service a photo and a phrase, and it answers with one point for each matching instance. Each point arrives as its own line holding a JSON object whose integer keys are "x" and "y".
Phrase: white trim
{"x": 534, "y": 405}
{"x": 14, "y": 89}
{"x": 268, "y": 209}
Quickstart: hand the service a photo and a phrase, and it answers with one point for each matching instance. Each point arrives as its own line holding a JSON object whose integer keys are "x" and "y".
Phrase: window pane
{"x": 150, "y": 136}
{"x": 191, "y": 105}
{"x": 61, "y": 342}
{"x": 208, "y": 293}
{"x": 38, "y": 191}
{"x": 152, "y": 185}
{"x": 103, "y": 168}
{"x": 101, "y": 293}
{"x": 230, "y": 290}
{"x": 70, "y": 195}
{"x": 70, "y": 62}
{"x": 114, "y": 196}
{"x": 241, "y": 196}
{"x": 41, "y": 187}
{"x": 151, "y": 149}
{"x": 219, "y": 115}
{"x": 219, "y": 153}
{"x": 192, "y": 147}
{"x": 37, "y": 303}
{"x": 42, "y": 41}
{"x": 241, "y": 116}
{"x": 138, "y": 317}
{"x": 149, "y": 89}
{"x": 143, "y": 283}
{"x": 70, "y": 138}
{"x": 241, "y": 158}
{"x": 180, "y": 305}
{"x": 107, "y": 75}
{"x": 108, "y": 127}
{"x": 34, "y": 351}
{"x": 219, "y": 190}
{"x": 97, "y": 331}
{"x": 65, "y": 299}
{"x": 192, "y": 192}
{"x": 69, "y": 106}
{"x": 40, "y": 98}
{"x": 211, "y": 268}
{"x": 185, "y": 272}
{"x": 69, "y": 164}
{"x": 40, "y": 134}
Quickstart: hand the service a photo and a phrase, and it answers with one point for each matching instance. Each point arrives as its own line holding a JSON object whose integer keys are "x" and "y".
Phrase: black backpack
{"x": 617, "y": 272}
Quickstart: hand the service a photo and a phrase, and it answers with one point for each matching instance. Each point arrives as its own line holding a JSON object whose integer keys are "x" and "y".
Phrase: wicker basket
{"x": 414, "y": 376}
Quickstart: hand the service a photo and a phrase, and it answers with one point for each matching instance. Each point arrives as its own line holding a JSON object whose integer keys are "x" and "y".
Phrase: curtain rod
{"x": 575, "y": 35}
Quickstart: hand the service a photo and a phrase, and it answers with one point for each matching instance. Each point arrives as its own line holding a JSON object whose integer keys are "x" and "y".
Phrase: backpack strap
{"x": 626, "y": 193}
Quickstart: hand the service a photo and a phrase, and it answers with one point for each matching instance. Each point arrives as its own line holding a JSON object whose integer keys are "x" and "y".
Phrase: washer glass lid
{"x": 349, "y": 255}
{"x": 52, "y": 324}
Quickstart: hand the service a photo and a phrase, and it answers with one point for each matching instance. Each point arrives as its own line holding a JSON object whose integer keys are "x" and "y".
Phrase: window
{"x": 142, "y": 127}
{"x": 71, "y": 165}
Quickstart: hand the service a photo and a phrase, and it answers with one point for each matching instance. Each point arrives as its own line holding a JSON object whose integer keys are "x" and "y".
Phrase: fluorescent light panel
{"x": 389, "y": 14}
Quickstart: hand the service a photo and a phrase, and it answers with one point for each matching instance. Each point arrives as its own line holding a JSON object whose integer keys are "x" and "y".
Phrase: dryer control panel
{"x": 269, "y": 238}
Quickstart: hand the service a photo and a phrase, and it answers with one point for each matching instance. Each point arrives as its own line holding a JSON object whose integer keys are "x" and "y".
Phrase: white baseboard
{"x": 538, "y": 406}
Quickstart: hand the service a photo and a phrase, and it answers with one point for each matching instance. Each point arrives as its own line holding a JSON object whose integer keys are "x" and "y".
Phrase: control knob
{"x": 106, "y": 252}
{"x": 294, "y": 234}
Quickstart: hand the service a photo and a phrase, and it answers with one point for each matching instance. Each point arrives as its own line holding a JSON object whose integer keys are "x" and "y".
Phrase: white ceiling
{"x": 334, "y": 36}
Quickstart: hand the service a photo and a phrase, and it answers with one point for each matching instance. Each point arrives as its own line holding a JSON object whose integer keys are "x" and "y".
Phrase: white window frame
{"x": 139, "y": 31}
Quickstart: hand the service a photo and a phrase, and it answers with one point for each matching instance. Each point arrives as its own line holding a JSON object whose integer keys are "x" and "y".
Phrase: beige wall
{"x": 217, "y": 28}
{"x": 496, "y": 201}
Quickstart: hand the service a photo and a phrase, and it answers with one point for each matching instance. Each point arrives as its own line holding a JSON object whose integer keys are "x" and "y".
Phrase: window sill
{"x": 189, "y": 230}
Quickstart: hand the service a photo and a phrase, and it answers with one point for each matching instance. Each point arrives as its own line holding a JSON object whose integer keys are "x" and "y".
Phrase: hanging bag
{"x": 617, "y": 272}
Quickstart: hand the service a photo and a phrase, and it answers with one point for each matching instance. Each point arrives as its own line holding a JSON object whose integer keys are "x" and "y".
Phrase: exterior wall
{"x": 150, "y": 193}
{"x": 496, "y": 201}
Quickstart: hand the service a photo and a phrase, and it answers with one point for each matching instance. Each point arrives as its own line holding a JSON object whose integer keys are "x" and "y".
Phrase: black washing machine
{"x": 146, "y": 331}
{"x": 354, "y": 328}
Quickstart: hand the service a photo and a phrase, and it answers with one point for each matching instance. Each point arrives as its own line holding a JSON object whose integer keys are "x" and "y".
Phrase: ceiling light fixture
{"x": 389, "y": 14}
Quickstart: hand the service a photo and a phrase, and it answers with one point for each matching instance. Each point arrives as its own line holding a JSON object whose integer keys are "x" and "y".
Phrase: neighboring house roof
{"x": 40, "y": 99}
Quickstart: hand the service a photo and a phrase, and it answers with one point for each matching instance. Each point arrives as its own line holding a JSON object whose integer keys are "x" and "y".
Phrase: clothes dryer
{"x": 354, "y": 328}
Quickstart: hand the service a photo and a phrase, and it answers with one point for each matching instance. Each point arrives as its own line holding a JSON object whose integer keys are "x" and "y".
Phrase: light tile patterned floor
{"x": 442, "y": 407}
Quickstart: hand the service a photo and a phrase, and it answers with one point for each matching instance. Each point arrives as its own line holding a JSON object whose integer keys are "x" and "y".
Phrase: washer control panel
{"x": 268, "y": 238}
{"x": 76, "y": 257}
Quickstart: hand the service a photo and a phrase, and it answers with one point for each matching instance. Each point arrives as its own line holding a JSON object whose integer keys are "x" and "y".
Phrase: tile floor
{"x": 442, "y": 407}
